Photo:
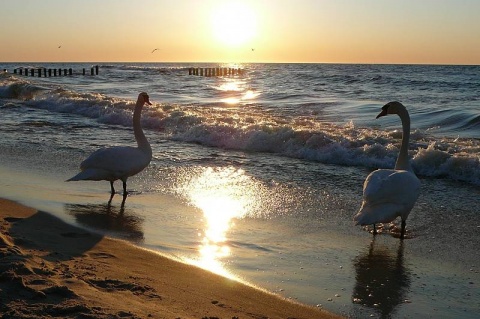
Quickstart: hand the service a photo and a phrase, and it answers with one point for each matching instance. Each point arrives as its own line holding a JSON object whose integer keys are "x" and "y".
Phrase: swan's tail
{"x": 77, "y": 177}
{"x": 368, "y": 214}
{"x": 90, "y": 174}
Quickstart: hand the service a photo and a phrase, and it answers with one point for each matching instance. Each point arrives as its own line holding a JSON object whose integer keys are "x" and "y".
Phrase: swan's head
{"x": 391, "y": 108}
{"x": 143, "y": 98}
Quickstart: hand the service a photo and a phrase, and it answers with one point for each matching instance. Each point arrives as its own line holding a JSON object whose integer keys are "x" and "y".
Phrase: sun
{"x": 233, "y": 23}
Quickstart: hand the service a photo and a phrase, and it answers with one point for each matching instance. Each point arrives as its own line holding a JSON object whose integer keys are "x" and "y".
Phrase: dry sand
{"x": 50, "y": 269}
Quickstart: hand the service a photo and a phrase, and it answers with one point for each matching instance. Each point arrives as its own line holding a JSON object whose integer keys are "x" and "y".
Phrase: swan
{"x": 119, "y": 162}
{"x": 389, "y": 193}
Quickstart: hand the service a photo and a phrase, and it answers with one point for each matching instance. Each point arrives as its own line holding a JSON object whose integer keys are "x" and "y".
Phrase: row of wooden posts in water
{"x": 94, "y": 71}
{"x": 215, "y": 71}
{"x": 51, "y": 72}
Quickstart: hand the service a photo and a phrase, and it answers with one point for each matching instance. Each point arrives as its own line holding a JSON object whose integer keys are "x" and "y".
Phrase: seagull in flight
{"x": 59, "y": 46}
{"x": 154, "y": 50}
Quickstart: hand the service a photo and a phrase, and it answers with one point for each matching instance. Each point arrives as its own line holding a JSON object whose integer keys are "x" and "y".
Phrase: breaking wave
{"x": 251, "y": 130}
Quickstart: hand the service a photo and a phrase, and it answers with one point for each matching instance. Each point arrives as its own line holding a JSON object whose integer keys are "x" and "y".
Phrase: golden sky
{"x": 330, "y": 31}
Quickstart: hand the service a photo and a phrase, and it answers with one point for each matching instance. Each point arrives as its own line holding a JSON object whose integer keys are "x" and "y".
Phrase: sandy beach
{"x": 52, "y": 269}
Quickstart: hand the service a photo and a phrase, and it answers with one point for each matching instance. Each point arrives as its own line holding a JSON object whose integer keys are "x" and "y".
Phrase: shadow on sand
{"x": 45, "y": 232}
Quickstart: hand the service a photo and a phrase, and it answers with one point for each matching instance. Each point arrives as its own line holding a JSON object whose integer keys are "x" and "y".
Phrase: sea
{"x": 257, "y": 175}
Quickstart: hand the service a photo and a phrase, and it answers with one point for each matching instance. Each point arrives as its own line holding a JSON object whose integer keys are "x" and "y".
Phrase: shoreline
{"x": 53, "y": 269}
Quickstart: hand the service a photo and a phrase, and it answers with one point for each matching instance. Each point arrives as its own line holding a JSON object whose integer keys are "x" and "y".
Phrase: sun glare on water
{"x": 233, "y": 23}
{"x": 223, "y": 195}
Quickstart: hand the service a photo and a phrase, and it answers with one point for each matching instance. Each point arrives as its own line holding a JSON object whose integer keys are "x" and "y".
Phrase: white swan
{"x": 119, "y": 162}
{"x": 389, "y": 193}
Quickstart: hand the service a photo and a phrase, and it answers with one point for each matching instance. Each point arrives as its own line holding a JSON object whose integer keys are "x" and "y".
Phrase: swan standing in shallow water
{"x": 119, "y": 162}
{"x": 389, "y": 193}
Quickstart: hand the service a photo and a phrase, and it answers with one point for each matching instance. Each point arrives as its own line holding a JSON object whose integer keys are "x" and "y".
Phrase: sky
{"x": 273, "y": 31}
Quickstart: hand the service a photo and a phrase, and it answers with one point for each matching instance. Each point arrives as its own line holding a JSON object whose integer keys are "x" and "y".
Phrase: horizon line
{"x": 217, "y": 62}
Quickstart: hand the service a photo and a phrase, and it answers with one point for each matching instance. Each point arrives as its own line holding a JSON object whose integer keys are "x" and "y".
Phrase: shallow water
{"x": 264, "y": 190}
{"x": 302, "y": 245}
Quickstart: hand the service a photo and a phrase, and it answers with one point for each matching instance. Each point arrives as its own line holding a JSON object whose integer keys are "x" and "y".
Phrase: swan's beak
{"x": 147, "y": 100}
{"x": 383, "y": 113}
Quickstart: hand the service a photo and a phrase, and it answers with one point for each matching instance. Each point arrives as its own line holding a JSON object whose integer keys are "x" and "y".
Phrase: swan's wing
{"x": 392, "y": 186}
{"x": 386, "y": 195}
{"x": 124, "y": 161}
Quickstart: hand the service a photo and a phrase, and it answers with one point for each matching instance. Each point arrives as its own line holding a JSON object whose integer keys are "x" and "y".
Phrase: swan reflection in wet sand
{"x": 382, "y": 280}
{"x": 117, "y": 221}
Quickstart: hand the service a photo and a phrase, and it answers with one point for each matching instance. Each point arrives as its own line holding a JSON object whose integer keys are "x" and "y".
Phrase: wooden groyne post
{"x": 215, "y": 71}
{"x": 51, "y": 72}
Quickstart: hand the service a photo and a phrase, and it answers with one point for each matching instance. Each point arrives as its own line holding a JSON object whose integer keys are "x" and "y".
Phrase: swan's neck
{"x": 142, "y": 142}
{"x": 402, "y": 160}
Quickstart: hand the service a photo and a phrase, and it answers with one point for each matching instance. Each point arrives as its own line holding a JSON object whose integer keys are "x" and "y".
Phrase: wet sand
{"x": 49, "y": 268}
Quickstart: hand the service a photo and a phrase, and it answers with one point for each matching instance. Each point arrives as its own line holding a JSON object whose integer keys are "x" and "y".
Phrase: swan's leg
{"x": 374, "y": 230}
{"x": 402, "y": 234}
{"x": 125, "y": 193}
{"x": 112, "y": 190}
{"x": 110, "y": 200}
{"x": 125, "y": 187}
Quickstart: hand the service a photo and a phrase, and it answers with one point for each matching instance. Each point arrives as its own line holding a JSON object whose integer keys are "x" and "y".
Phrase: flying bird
{"x": 389, "y": 193}
{"x": 154, "y": 50}
{"x": 119, "y": 162}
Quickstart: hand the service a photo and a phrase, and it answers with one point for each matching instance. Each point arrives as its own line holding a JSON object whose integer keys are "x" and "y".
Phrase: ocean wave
{"x": 250, "y": 129}
{"x": 145, "y": 68}
{"x": 463, "y": 165}
{"x": 454, "y": 159}
{"x": 13, "y": 88}
{"x": 472, "y": 122}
